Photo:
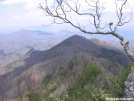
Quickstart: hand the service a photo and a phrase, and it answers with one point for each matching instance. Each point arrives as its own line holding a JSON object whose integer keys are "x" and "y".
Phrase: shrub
{"x": 118, "y": 82}
{"x": 46, "y": 79}
{"x": 87, "y": 76}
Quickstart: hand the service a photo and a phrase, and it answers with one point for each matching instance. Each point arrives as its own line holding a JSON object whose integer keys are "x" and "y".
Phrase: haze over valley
{"x": 66, "y": 50}
{"x": 15, "y": 45}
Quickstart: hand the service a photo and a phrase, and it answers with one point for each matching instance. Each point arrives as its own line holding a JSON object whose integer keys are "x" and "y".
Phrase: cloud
{"x": 108, "y": 4}
{"x": 32, "y": 5}
{"x": 28, "y": 4}
{"x": 16, "y": 16}
{"x": 30, "y": 15}
{"x": 9, "y": 2}
{"x": 31, "y": 18}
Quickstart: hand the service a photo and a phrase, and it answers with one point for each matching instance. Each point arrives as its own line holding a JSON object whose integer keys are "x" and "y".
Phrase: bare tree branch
{"x": 119, "y": 13}
{"x": 95, "y": 11}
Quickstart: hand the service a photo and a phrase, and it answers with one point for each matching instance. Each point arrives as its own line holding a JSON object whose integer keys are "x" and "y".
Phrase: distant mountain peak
{"x": 22, "y": 31}
{"x": 75, "y": 40}
{"x": 76, "y": 36}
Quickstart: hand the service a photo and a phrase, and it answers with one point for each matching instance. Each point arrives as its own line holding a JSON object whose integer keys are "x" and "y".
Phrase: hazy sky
{"x": 24, "y": 14}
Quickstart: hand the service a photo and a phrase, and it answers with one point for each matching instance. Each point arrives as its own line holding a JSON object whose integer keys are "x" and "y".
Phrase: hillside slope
{"x": 41, "y": 63}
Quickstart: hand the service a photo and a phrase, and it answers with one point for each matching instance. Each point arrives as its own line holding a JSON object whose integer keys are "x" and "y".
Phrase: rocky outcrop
{"x": 129, "y": 86}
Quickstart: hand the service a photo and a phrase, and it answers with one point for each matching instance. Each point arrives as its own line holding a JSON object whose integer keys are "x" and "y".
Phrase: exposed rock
{"x": 129, "y": 86}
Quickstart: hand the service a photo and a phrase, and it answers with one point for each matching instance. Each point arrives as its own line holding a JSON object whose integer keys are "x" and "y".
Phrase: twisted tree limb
{"x": 62, "y": 7}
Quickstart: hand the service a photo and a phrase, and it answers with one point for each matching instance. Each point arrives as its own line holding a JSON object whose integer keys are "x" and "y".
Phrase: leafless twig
{"x": 95, "y": 11}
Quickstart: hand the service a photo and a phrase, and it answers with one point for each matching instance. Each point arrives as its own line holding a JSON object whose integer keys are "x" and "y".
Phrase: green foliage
{"x": 52, "y": 88}
{"x": 49, "y": 90}
{"x": 70, "y": 65}
{"x": 129, "y": 65}
{"x": 92, "y": 93}
{"x": 47, "y": 99}
{"x": 118, "y": 82}
{"x": 98, "y": 95}
{"x": 85, "y": 87}
{"x": 32, "y": 96}
{"x": 60, "y": 68}
{"x": 65, "y": 98}
{"x": 63, "y": 73}
{"x": 107, "y": 86}
{"x": 47, "y": 79}
{"x": 87, "y": 76}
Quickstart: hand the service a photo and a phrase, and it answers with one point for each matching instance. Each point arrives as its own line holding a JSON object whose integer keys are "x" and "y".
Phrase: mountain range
{"x": 15, "y": 45}
{"x": 72, "y": 54}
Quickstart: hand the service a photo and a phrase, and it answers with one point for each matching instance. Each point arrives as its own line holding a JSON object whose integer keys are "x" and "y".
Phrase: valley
{"x": 66, "y": 50}
{"x": 15, "y": 45}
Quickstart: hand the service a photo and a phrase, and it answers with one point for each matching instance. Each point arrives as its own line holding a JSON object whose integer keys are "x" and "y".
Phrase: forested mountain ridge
{"x": 73, "y": 54}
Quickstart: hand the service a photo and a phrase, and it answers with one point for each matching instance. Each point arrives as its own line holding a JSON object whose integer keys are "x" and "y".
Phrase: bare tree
{"x": 1, "y": 90}
{"x": 19, "y": 87}
{"x": 60, "y": 9}
{"x": 33, "y": 94}
{"x": 3, "y": 87}
{"x": 29, "y": 80}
